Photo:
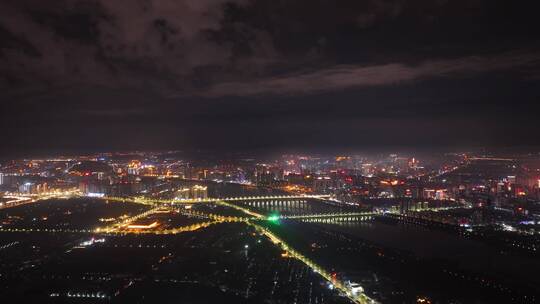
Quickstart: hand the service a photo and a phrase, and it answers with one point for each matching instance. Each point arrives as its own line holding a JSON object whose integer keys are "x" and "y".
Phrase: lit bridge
{"x": 301, "y": 209}
{"x": 348, "y": 216}
{"x": 151, "y": 201}
{"x": 275, "y": 197}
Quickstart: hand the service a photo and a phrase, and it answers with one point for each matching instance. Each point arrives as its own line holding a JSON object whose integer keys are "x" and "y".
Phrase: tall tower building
{"x": 199, "y": 192}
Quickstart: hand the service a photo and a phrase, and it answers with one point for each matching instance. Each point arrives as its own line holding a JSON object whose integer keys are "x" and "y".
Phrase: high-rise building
{"x": 42, "y": 188}
{"x": 199, "y": 192}
{"x": 183, "y": 193}
{"x": 1, "y": 178}
{"x": 322, "y": 184}
{"x": 134, "y": 167}
{"x": 28, "y": 188}
{"x": 195, "y": 192}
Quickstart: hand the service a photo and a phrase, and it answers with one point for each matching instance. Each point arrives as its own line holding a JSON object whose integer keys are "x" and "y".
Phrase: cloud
{"x": 169, "y": 46}
{"x": 157, "y": 44}
{"x": 233, "y": 47}
{"x": 341, "y": 77}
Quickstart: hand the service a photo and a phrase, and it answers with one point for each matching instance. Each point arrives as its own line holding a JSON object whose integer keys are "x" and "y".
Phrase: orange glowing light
{"x": 149, "y": 226}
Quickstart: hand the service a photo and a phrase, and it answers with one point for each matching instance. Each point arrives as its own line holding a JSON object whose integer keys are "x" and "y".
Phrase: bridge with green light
{"x": 345, "y": 215}
{"x": 326, "y": 217}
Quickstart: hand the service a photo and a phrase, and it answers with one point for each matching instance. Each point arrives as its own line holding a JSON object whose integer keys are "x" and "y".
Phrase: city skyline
{"x": 269, "y": 151}
{"x": 294, "y": 228}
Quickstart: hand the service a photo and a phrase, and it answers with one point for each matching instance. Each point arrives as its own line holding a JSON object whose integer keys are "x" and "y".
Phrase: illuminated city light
{"x": 141, "y": 226}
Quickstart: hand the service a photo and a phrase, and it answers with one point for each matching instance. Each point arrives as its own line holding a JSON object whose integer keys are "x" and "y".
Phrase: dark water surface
{"x": 433, "y": 244}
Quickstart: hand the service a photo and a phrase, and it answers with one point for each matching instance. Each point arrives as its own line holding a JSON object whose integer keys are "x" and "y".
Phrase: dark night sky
{"x": 226, "y": 75}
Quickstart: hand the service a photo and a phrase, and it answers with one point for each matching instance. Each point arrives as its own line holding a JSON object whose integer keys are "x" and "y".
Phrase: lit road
{"x": 359, "y": 297}
{"x": 124, "y": 223}
{"x": 245, "y": 210}
{"x": 108, "y": 231}
{"x": 20, "y": 199}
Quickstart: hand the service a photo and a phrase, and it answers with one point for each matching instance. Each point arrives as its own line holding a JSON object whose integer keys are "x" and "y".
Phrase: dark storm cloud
{"x": 216, "y": 72}
{"x": 113, "y": 43}
{"x": 184, "y": 47}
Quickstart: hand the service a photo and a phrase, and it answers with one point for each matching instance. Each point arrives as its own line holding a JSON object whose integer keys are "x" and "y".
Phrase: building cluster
{"x": 510, "y": 183}
{"x": 196, "y": 192}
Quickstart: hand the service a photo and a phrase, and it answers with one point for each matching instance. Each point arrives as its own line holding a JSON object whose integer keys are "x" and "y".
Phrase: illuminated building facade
{"x": 199, "y": 192}
{"x": 322, "y": 184}
{"x": 195, "y": 192}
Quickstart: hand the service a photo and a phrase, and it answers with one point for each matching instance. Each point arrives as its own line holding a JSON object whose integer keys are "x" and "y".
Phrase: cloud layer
{"x": 349, "y": 76}
{"x": 240, "y": 73}
{"x": 241, "y": 47}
